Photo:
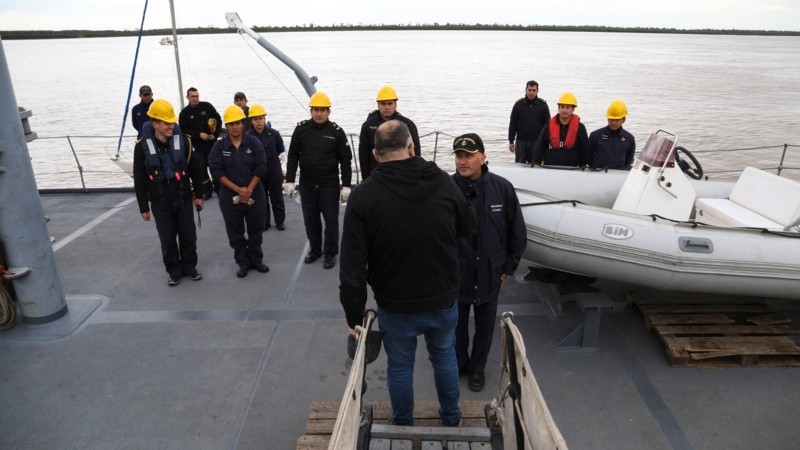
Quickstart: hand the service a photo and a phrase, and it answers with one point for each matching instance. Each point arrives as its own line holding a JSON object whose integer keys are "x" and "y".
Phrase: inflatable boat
{"x": 655, "y": 227}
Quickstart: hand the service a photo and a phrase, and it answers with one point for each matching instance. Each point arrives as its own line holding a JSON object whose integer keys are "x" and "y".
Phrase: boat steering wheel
{"x": 695, "y": 172}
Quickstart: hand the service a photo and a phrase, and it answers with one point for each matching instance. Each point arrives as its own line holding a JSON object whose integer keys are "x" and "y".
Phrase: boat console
{"x": 656, "y": 184}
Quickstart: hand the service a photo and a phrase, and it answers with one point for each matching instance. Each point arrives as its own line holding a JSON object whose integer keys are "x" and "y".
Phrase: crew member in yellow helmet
{"x": 320, "y": 148}
{"x": 273, "y": 145}
{"x": 563, "y": 141}
{"x": 238, "y": 163}
{"x": 163, "y": 164}
{"x": 612, "y": 147}
{"x": 387, "y": 110}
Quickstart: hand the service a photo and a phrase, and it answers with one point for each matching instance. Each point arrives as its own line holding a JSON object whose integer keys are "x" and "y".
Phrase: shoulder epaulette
{"x": 374, "y": 111}
{"x": 302, "y": 122}
{"x": 335, "y": 126}
{"x": 543, "y": 100}
{"x": 523, "y": 98}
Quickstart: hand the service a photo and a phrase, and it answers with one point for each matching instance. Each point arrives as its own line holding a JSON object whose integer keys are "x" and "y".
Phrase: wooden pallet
{"x": 719, "y": 331}
{"x": 322, "y": 417}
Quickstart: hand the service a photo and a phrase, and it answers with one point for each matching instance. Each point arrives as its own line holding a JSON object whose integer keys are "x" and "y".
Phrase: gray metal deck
{"x": 235, "y": 363}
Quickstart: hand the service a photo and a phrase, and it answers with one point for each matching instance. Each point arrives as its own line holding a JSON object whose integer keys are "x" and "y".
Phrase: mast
{"x": 177, "y": 55}
{"x": 308, "y": 82}
{"x": 22, "y": 223}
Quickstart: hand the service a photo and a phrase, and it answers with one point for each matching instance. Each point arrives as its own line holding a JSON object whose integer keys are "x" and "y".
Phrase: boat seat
{"x": 758, "y": 199}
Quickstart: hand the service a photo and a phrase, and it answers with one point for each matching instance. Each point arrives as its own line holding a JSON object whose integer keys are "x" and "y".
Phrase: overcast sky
{"x": 126, "y": 14}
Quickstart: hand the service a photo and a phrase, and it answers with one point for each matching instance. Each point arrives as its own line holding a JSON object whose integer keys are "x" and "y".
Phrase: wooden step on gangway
{"x": 710, "y": 331}
{"x": 518, "y": 418}
{"x": 428, "y": 432}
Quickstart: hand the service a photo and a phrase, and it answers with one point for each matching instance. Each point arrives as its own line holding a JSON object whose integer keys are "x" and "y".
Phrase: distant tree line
{"x": 62, "y": 34}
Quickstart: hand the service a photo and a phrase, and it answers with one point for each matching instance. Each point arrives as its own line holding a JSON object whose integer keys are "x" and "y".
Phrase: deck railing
{"x": 80, "y": 163}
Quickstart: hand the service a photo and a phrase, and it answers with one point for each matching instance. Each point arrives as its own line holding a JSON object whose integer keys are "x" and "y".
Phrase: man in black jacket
{"x": 387, "y": 110}
{"x": 201, "y": 121}
{"x": 488, "y": 257}
{"x": 163, "y": 163}
{"x": 401, "y": 230}
{"x": 320, "y": 148}
{"x": 528, "y": 116}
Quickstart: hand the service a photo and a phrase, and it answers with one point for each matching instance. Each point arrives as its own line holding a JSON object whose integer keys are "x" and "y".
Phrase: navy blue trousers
{"x": 273, "y": 187}
{"x": 321, "y": 200}
{"x": 176, "y": 220}
{"x": 485, "y": 318}
{"x": 241, "y": 219}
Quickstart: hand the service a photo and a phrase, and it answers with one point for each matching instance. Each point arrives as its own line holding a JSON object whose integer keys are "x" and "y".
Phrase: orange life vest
{"x": 572, "y": 132}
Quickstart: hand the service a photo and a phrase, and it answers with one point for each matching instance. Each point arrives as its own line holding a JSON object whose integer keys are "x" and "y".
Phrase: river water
{"x": 713, "y": 92}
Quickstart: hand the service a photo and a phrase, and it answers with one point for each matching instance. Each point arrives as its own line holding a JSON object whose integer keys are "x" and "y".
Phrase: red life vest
{"x": 572, "y": 132}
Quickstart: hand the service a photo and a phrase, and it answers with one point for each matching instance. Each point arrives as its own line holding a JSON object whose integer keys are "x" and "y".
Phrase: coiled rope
{"x": 8, "y": 308}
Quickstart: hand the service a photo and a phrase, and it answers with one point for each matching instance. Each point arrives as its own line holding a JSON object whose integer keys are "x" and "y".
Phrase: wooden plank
{"x": 458, "y": 446}
{"x": 431, "y": 445}
{"x": 689, "y": 319}
{"x": 744, "y": 345}
{"x": 480, "y": 446}
{"x": 729, "y": 330}
{"x": 313, "y": 442}
{"x": 769, "y": 319}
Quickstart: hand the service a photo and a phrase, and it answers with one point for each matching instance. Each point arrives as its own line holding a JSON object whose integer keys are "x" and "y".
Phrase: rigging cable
{"x": 130, "y": 84}
{"x": 302, "y": 104}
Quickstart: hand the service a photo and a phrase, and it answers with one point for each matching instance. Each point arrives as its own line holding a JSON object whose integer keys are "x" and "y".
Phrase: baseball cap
{"x": 470, "y": 143}
{"x": 145, "y": 89}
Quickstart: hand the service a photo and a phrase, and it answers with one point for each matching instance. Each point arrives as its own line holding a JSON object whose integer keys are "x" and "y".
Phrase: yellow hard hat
{"x": 256, "y": 110}
{"x": 161, "y": 109}
{"x": 319, "y": 100}
{"x": 568, "y": 98}
{"x": 386, "y": 94}
{"x": 233, "y": 113}
{"x": 617, "y": 110}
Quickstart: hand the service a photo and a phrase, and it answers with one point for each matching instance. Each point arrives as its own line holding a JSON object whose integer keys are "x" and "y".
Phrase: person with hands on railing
{"x": 320, "y": 148}
{"x": 238, "y": 162}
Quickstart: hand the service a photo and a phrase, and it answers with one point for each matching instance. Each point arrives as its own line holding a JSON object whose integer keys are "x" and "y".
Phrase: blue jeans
{"x": 400, "y": 343}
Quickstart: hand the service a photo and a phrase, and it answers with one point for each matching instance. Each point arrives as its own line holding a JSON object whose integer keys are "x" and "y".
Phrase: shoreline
{"x": 71, "y": 34}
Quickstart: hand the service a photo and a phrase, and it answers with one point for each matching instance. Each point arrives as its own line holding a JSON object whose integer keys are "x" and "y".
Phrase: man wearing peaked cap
{"x": 139, "y": 111}
{"x": 488, "y": 257}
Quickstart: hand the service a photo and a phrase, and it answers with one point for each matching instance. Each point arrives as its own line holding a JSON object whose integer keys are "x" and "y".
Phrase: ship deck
{"x": 237, "y": 363}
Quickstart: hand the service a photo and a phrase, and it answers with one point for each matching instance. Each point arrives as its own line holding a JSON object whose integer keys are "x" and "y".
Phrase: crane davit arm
{"x": 308, "y": 82}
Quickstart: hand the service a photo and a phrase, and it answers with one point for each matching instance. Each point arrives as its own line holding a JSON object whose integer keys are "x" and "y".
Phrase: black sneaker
{"x": 194, "y": 276}
{"x": 312, "y": 257}
{"x": 476, "y": 381}
{"x": 261, "y": 267}
{"x": 330, "y": 261}
{"x": 174, "y": 280}
{"x": 280, "y": 226}
{"x": 242, "y": 272}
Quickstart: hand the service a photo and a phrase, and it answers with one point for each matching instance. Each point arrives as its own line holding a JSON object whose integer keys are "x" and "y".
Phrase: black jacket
{"x": 273, "y": 145}
{"x": 319, "y": 150}
{"x": 400, "y": 235}
{"x": 194, "y": 120}
{"x": 366, "y": 140}
{"x": 148, "y": 190}
{"x": 545, "y": 154}
{"x": 497, "y": 243}
{"x": 528, "y": 117}
{"x": 610, "y": 149}
{"x": 238, "y": 165}
{"x": 139, "y": 116}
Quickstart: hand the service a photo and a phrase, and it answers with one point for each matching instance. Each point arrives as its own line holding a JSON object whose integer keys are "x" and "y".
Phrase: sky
{"x": 126, "y": 14}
